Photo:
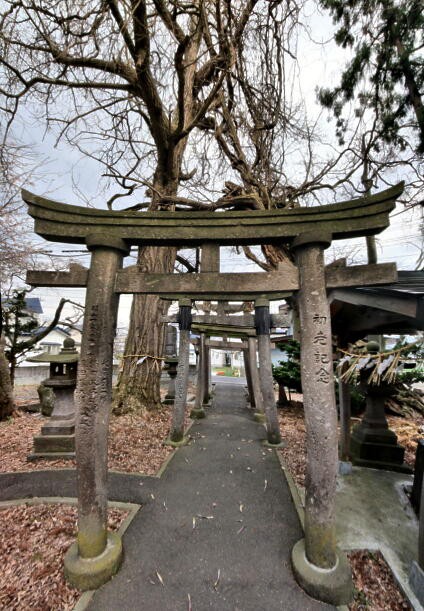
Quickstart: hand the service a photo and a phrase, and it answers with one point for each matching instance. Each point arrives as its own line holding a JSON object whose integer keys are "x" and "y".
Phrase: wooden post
{"x": 198, "y": 411}
{"x": 345, "y": 415}
{"x": 176, "y": 436}
{"x": 263, "y": 327}
{"x": 248, "y": 374}
{"x": 96, "y": 555}
{"x": 209, "y": 262}
{"x": 206, "y": 377}
{"x": 320, "y": 568}
{"x": 259, "y": 413}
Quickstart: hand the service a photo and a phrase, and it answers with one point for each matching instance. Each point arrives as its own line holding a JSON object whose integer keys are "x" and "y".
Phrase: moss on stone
{"x": 197, "y": 414}
{"x": 178, "y": 443}
{"x": 91, "y": 573}
{"x": 333, "y": 586}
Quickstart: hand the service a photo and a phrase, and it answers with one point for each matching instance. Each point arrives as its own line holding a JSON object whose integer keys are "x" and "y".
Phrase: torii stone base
{"x": 197, "y": 414}
{"x": 91, "y": 573}
{"x": 329, "y": 585}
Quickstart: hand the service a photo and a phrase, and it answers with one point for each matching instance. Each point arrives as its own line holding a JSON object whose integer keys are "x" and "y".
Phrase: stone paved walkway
{"x": 216, "y": 531}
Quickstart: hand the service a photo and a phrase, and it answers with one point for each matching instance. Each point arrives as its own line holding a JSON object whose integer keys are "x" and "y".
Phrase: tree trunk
{"x": 282, "y": 396}
{"x": 139, "y": 382}
{"x": 7, "y": 403}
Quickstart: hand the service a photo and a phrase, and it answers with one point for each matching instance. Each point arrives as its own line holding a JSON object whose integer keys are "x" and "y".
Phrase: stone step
{"x": 51, "y": 455}
{"x": 58, "y": 429}
{"x": 54, "y": 443}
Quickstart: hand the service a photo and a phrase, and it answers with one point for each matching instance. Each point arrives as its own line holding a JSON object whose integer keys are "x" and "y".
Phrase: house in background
{"x": 53, "y": 342}
{"x": 33, "y": 373}
{"x": 34, "y": 309}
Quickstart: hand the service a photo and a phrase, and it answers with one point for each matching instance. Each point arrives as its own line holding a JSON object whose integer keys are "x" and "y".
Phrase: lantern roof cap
{"x": 68, "y": 354}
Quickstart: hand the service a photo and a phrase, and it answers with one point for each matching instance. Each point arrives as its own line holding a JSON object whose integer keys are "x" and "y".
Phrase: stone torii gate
{"x": 255, "y": 331}
{"x": 320, "y": 568}
{"x": 251, "y": 329}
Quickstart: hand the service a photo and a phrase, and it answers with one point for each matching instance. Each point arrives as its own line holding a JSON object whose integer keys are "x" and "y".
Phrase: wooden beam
{"x": 236, "y": 321}
{"x": 223, "y": 345}
{"x": 233, "y": 308}
{"x": 405, "y": 304}
{"x": 215, "y": 286}
{"x": 360, "y": 275}
{"x": 224, "y": 330}
{"x": 247, "y": 320}
{"x": 76, "y": 277}
{"x": 130, "y": 280}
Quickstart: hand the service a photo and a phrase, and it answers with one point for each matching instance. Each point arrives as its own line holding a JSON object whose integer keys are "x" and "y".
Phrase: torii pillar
{"x": 263, "y": 329}
{"x": 320, "y": 567}
{"x": 96, "y": 555}
{"x": 176, "y": 435}
{"x": 259, "y": 405}
{"x": 198, "y": 412}
{"x": 248, "y": 374}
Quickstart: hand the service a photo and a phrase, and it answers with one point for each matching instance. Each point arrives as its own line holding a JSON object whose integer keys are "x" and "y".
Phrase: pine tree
{"x": 386, "y": 72}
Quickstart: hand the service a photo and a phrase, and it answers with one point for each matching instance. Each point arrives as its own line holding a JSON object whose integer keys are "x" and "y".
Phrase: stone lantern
{"x": 372, "y": 443}
{"x": 171, "y": 363}
{"x": 57, "y": 439}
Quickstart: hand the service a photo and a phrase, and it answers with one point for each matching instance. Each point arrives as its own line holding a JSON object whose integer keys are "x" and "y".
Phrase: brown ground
{"x": 135, "y": 441}
{"x": 375, "y": 588}
{"x": 292, "y": 425}
{"x": 33, "y": 579}
{"x": 408, "y": 431}
{"x": 32, "y": 547}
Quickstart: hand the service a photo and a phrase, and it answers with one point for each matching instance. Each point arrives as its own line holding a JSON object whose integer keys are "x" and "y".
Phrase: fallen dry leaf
{"x": 32, "y": 548}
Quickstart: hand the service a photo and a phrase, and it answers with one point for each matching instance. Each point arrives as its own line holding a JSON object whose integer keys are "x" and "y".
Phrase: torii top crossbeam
{"x": 60, "y": 222}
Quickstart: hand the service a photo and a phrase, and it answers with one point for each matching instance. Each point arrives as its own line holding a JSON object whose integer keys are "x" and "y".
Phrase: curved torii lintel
{"x": 60, "y": 222}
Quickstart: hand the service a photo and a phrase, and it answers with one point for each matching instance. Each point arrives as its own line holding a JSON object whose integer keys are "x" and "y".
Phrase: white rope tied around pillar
{"x": 143, "y": 357}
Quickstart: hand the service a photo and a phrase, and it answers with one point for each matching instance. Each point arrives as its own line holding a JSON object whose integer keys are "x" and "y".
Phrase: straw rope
{"x": 383, "y": 365}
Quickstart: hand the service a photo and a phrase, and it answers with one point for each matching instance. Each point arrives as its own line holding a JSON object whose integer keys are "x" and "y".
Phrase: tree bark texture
{"x": 345, "y": 415}
{"x": 200, "y": 374}
{"x": 7, "y": 403}
{"x": 139, "y": 383}
{"x": 282, "y": 396}
{"x": 206, "y": 375}
{"x": 421, "y": 532}
{"x": 267, "y": 388}
{"x": 319, "y": 406}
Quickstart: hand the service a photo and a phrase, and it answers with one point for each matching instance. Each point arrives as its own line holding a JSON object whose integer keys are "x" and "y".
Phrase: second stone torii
{"x": 253, "y": 329}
